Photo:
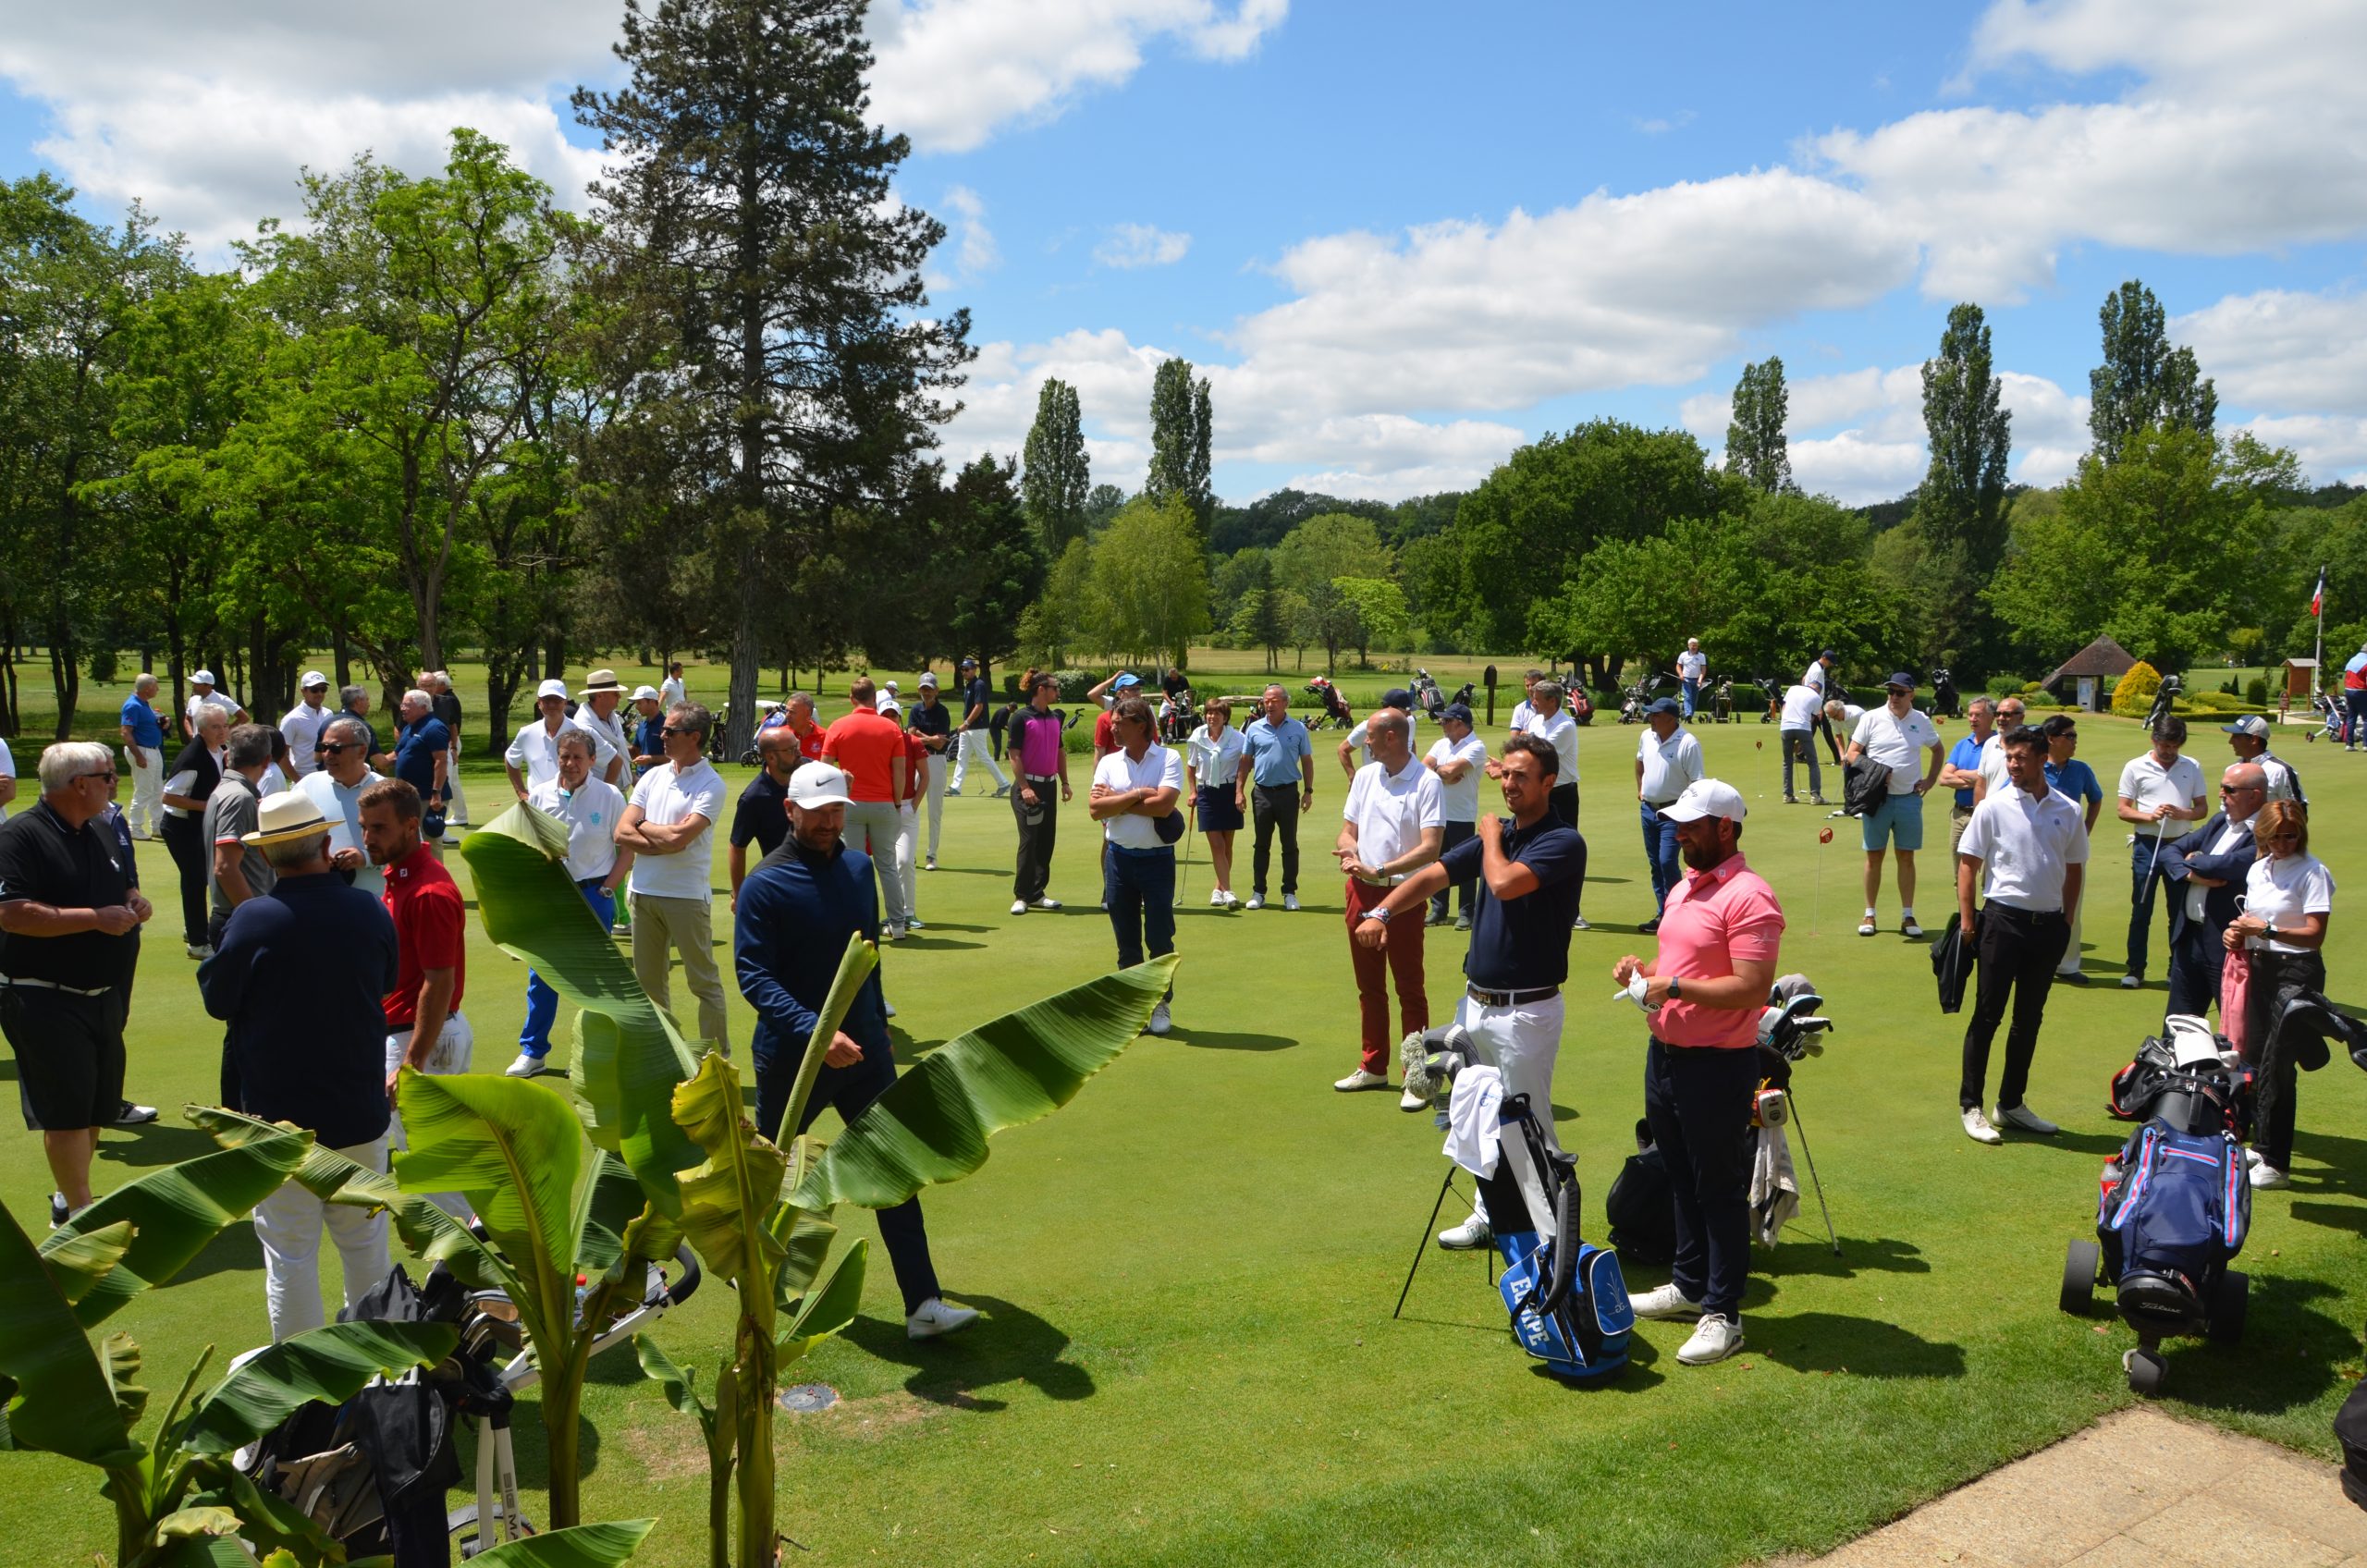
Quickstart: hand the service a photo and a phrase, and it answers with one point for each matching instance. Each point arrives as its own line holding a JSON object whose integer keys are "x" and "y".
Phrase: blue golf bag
{"x": 1567, "y": 1298}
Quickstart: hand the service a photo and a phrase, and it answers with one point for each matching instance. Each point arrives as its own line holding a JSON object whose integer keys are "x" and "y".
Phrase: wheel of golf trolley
{"x": 2227, "y": 1299}
{"x": 2079, "y": 1261}
{"x": 2146, "y": 1370}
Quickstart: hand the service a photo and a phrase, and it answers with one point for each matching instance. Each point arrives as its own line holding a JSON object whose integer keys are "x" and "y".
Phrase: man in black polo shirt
{"x": 299, "y": 978}
{"x": 762, "y": 816}
{"x": 977, "y": 697}
{"x": 67, "y": 907}
{"x": 933, "y": 722}
{"x": 1530, "y": 868}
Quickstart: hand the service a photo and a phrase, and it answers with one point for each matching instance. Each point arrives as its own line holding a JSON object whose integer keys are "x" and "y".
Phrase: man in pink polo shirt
{"x": 1719, "y": 941}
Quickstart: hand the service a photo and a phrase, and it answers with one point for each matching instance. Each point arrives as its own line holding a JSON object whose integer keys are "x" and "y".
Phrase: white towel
{"x": 1472, "y": 1113}
{"x": 1774, "y": 1191}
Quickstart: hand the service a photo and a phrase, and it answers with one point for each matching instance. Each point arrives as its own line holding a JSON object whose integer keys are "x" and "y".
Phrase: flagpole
{"x": 2318, "y": 670}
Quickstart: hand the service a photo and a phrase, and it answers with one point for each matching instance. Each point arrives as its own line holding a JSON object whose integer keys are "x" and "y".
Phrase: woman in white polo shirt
{"x": 2288, "y": 898}
{"x": 1212, "y": 765}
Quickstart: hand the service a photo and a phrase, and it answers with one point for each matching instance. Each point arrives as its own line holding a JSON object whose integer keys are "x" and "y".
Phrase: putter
{"x": 1191, "y": 826}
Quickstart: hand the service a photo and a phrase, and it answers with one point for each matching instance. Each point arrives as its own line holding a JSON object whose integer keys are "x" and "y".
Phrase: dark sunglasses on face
{"x": 2239, "y": 789}
{"x": 333, "y": 748}
{"x": 676, "y": 730}
{"x": 108, "y": 776}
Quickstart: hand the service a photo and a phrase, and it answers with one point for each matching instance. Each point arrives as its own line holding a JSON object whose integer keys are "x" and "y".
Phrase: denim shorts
{"x": 1899, "y": 822}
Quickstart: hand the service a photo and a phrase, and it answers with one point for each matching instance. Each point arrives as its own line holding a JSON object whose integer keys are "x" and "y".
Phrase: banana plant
{"x": 176, "y": 1497}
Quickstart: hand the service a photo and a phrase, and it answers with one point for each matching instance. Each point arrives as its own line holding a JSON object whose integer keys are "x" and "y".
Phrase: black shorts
{"x": 1219, "y": 811}
{"x": 69, "y": 1055}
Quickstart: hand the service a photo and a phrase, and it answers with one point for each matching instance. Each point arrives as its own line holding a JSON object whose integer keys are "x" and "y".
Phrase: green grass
{"x": 1189, "y": 1357}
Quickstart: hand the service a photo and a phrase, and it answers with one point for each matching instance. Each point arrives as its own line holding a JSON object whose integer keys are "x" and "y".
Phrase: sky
{"x": 1402, "y": 238}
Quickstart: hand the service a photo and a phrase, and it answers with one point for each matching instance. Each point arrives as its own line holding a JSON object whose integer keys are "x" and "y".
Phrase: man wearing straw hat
{"x": 532, "y": 756}
{"x": 603, "y": 695}
{"x": 299, "y": 979}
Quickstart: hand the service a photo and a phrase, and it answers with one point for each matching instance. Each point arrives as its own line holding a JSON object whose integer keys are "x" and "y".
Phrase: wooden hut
{"x": 2081, "y": 676}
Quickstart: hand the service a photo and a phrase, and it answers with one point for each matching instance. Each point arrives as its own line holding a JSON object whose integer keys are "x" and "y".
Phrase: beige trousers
{"x": 662, "y": 926}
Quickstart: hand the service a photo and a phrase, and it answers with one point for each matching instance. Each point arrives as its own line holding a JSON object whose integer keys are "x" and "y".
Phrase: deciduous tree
{"x": 1180, "y": 417}
{"x": 2143, "y": 380}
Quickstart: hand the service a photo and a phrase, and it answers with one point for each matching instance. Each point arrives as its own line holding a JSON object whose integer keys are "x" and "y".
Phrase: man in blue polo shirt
{"x": 1963, "y": 769}
{"x": 423, "y": 753}
{"x": 143, "y": 754}
{"x": 1277, "y": 783}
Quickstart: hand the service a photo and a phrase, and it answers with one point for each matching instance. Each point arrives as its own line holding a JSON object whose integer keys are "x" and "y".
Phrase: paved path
{"x": 2138, "y": 1490}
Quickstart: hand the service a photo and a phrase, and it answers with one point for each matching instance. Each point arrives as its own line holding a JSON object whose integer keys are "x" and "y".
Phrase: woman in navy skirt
{"x": 1212, "y": 769}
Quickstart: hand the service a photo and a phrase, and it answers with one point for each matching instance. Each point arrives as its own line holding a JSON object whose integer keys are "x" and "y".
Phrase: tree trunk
{"x": 343, "y": 653}
{"x": 65, "y": 676}
{"x": 740, "y": 732}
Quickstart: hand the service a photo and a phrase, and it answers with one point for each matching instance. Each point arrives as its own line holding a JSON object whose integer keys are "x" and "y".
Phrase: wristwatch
{"x": 1378, "y": 912}
{"x": 1675, "y": 989}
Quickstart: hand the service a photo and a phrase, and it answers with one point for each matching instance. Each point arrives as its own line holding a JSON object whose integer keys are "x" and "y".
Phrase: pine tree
{"x": 1755, "y": 444}
{"x": 767, "y": 285}
{"x": 1180, "y": 417}
{"x": 2143, "y": 380}
{"x": 1059, "y": 476}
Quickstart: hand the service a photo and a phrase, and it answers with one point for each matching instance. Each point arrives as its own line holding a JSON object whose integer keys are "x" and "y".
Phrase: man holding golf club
{"x": 1703, "y": 991}
{"x": 1392, "y": 824}
{"x": 2156, "y": 790}
{"x": 2027, "y": 848}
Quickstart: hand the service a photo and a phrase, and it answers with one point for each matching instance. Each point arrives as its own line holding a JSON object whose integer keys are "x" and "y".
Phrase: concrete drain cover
{"x": 805, "y": 1399}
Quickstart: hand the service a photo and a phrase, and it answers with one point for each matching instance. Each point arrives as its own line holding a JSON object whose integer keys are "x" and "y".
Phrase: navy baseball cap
{"x": 1901, "y": 680}
{"x": 1828, "y": 653}
{"x": 1399, "y": 698}
{"x": 1459, "y": 712}
{"x": 1664, "y": 705}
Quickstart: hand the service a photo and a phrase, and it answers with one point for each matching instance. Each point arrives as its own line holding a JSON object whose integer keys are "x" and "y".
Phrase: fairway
{"x": 1188, "y": 1355}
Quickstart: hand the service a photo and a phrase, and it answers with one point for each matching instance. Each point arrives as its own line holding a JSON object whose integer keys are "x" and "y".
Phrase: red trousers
{"x": 1403, "y": 959}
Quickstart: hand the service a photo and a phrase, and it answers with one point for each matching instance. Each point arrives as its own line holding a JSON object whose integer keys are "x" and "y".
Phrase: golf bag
{"x": 1426, "y": 698}
{"x": 1178, "y": 716}
{"x": 1335, "y": 706}
{"x": 1641, "y": 1210}
{"x": 1566, "y": 1297}
{"x": 1633, "y": 701}
{"x": 1946, "y": 703}
{"x": 2190, "y": 1076}
{"x": 2172, "y": 685}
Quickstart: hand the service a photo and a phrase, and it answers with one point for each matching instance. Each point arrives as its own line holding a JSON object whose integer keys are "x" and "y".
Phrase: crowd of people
{"x": 332, "y": 946}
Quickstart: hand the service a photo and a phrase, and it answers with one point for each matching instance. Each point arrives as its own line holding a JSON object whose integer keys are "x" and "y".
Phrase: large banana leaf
{"x": 328, "y": 1364}
{"x": 727, "y": 1198}
{"x": 585, "y": 1546}
{"x": 177, "y": 1211}
{"x": 828, "y": 1307}
{"x": 57, "y": 1395}
{"x": 933, "y": 1124}
{"x": 629, "y": 1054}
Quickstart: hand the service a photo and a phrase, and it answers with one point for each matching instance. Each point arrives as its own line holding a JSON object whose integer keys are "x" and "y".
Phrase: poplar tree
{"x": 1180, "y": 417}
{"x": 1755, "y": 444}
{"x": 2143, "y": 380}
{"x": 1059, "y": 476}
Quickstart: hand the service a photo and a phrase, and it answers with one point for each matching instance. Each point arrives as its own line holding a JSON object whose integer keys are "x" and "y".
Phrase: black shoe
{"x": 1648, "y": 928}
{"x": 56, "y": 1211}
{"x": 2072, "y": 977}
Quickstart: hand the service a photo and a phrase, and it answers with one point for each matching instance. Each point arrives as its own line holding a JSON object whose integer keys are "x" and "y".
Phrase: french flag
{"x": 2318, "y": 599}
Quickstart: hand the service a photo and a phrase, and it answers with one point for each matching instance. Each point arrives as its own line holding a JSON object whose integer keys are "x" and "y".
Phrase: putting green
{"x": 1189, "y": 1357}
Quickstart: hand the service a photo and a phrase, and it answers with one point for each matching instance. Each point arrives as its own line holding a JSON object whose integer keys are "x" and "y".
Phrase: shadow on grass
{"x": 1012, "y": 1344}
{"x": 933, "y": 943}
{"x": 1220, "y": 1040}
{"x": 1833, "y": 1341}
{"x": 2287, "y": 1360}
{"x": 532, "y": 1452}
{"x": 1804, "y": 1250}
{"x": 2087, "y": 1145}
{"x": 157, "y": 1143}
{"x": 2344, "y": 1160}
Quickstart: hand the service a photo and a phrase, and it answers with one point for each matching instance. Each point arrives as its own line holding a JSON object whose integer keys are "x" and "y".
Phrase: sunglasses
{"x": 678, "y": 729}
{"x": 109, "y": 776}
{"x": 333, "y": 748}
{"x": 2240, "y": 789}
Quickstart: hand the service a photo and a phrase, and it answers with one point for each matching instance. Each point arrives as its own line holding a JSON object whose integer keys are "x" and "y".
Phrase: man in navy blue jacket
{"x": 796, "y": 910}
{"x": 2206, "y": 871}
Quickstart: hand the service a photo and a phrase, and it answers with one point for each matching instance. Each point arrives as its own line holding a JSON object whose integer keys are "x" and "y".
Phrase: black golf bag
{"x": 1946, "y": 703}
{"x": 1639, "y": 1207}
{"x": 1178, "y": 716}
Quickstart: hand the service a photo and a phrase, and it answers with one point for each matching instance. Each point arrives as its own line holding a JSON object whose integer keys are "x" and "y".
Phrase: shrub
{"x": 1075, "y": 684}
{"x": 2010, "y": 686}
{"x": 2132, "y": 694}
{"x": 2256, "y": 691}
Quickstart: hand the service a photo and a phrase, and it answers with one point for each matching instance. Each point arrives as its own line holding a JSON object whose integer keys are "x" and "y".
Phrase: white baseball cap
{"x": 817, "y": 784}
{"x": 551, "y": 689}
{"x": 312, "y": 677}
{"x": 203, "y": 677}
{"x": 648, "y": 692}
{"x": 1706, "y": 797}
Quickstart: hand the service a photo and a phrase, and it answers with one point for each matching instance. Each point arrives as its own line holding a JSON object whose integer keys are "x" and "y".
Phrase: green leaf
{"x": 269, "y": 1523}
{"x": 806, "y": 1236}
{"x": 513, "y": 1149}
{"x": 201, "y": 1552}
{"x": 122, "y": 1366}
{"x": 728, "y": 1199}
{"x": 82, "y": 1261}
{"x": 60, "y": 1400}
{"x": 176, "y": 1212}
{"x": 829, "y": 1307}
{"x": 681, "y": 1384}
{"x": 329, "y": 1364}
{"x": 933, "y": 1124}
{"x": 629, "y": 1055}
{"x": 585, "y": 1546}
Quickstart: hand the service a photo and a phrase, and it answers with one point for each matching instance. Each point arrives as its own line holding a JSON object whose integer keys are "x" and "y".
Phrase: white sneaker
{"x": 885, "y": 1006}
{"x": 2268, "y": 1175}
{"x": 2130, "y": 982}
{"x": 1159, "y": 1021}
{"x": 1046, "y": 903}
{"x": 1866, "y": 926}
{"x": 1230, "y": 901}
{"x": 1976, "y": 1128}
{"x": 1463, "y": 922}
{"x": 1290, "y": 900}
{"x": 929, "y": 865}
{"x": 1713, "y": 1339}
{"x": 933, "y": 1317}
{"x": 1906, "y": 927}
{"x": 1469, "y": 1236}
{"x": 1019, "y": 906}
{"x": 1360, "y": 1078}
{"x": 2251, "y": 1157}
{"x": 526, "y": 1067}
{"x": 199, "y": 950}
{"x": 2028, "y": 1121}
{"x": 1666, "y": 1302}
{"x": 1581, "y": 924}
{"x": 1216, "y": 898}
{"x": 892, "y": 933}
{"x": 132, "y": 1114}
{"x": 1256, "y": 901}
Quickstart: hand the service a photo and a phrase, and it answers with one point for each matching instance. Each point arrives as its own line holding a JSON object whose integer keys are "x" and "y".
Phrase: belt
{"x": 54, "y": 985}
{"x": 1510, "y": 999}
{"x": 1664, "y": 805}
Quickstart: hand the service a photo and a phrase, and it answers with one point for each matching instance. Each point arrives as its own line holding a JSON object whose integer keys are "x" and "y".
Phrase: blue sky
{"x": 1401, "y": 238}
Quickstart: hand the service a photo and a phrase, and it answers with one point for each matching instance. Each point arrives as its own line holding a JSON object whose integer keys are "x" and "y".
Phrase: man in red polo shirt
{"x": 869, "y": 748}
{"x": 1720, "y": 936}
{"x": 425, "y": 1028}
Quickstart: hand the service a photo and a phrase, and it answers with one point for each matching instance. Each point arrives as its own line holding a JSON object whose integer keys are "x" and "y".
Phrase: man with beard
{"x": 797, "y": 910}
{"x": 1703, "y": 992}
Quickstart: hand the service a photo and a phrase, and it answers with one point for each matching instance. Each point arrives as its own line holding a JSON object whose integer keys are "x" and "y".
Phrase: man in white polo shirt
{"x": 1667, "y": 759}
{"x": 2157, "y": 791}
{"x": 596, "y": 863}
{"x": 202, "y": 695}
{"x": 1796, "y": 733}
{"x": 1459, "y": 758}
{"x": 2027, "y": 848}
{"x": 306, "y": 722}
{"x": 669, "y": 828}
{"x": 1138, "y": 794}
{"x": 1896, "y": 734}
{"x": 532, "y": 757}
{"x": 1393, "y": 823}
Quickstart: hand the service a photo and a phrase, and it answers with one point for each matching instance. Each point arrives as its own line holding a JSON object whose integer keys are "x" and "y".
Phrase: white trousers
{"x": 933, "y": 802}
{"x": 908, "y": 859}
{"x": 456, "y": 814}
{"x": 147, "y": 793}
{"x": 876, "y": 827}
{"x": 288, "y": 1224}
{"x": 1522, "y": 1042}
{"x": 453, "y": 1048}
{"x": 977, "y": 751}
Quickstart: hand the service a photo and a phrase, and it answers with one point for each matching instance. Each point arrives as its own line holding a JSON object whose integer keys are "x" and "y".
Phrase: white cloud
{"x": 1660, "y": 125}
{"x": 2280, "y": 349}
{"x": 952, "y": 72}
{"x": 2330, "y": 445}
{"x": 1131, "y": 245}
{"x": 974, "y": 250}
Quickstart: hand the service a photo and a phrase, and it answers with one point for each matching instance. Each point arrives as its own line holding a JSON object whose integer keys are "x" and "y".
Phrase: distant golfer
{"x": 2158, "y": 791}
{"x": 1896, "y": 734}
{"x": 1667, "y": 759}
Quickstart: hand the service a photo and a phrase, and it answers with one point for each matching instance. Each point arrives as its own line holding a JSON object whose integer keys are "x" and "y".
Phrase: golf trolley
{"x": 1566, "y": 1297}
{"x": 1335, "y": 706}
{"x": 768, "y": 711}
{"x": 1720, "y": 708}
{"x": 2176, "y": 1203}
{"x": 2334, "y": 723}
{"x": 2164, "y": 695}
{"x": 1772, "y": 698}
{"x": 1178, "y": 716}
{"x": 1428, "y": 697}
{"x": 1634, "y": 699}
{"x": 1946, "y": 702}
